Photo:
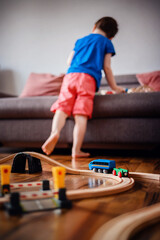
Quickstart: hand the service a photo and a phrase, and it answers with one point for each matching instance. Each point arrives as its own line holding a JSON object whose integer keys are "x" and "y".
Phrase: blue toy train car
{"x": 102, "y": 165}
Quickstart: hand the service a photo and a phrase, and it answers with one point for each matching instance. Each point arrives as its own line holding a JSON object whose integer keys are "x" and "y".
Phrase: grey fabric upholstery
{"x": 120, "y": 119}
{"x": 117, "y": 105}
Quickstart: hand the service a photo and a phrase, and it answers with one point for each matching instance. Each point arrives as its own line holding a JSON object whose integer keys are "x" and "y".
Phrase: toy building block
{"x": 45, "y": 185}
{"x": 14, "y": 207}
{"x": 58, "y": 177}
{"x": 34, "y": 164}
{"x": 5, "y": 179}
{"x": 126, "y": 90}
{"x": 19, "y": 164}
{"x": 64, "y": 202}
{"x": 59, "y": 184}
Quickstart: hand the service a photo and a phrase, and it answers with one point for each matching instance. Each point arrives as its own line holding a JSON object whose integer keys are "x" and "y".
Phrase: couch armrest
{"x": 6, "y": 95}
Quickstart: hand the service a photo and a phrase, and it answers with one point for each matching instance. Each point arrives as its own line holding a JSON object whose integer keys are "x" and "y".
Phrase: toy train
{"x": 120, "y": 172}
{"x": 102, "y": 165}
{"x": 107, "y": 166}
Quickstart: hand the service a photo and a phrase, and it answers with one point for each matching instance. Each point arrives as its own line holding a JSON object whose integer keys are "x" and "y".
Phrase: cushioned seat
{"x": 119, "y": 120}
{"x": 117, "y": 105}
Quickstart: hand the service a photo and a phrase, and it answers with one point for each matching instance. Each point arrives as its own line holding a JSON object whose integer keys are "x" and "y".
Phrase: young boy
{"x": 91, "y": 54}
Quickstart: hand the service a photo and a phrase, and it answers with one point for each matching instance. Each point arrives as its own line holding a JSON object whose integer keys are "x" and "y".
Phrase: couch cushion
{"x": 117, "y": 105}
{"x": 42, "y": 84}
{"x": 127, "y": 105}
{"x": 129, "y": 79}
{"x": 31, "y": 107}
{"x": 151, "y": 79}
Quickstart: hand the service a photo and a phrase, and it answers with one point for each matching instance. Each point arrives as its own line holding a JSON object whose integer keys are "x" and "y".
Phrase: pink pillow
{"x": 42, "y": 84}
{"x": 151, "y": 79}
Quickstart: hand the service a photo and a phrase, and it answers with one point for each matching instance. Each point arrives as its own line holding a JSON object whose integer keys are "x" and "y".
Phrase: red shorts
{"x": 76, "y": 95}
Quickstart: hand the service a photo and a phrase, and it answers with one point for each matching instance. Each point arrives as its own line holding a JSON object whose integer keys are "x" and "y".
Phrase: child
{"x": 91, "y": 54}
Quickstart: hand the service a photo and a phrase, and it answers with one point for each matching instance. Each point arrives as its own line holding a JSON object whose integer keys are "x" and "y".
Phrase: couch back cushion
{"x": 123, "y": 80}
{"x": 151, "y": 79}
{"x": 42, "y": 84}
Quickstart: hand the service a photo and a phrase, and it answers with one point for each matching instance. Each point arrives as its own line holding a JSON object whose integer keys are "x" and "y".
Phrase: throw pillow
{"x": 42, "y": 84}
{"x": 151, "y": 79}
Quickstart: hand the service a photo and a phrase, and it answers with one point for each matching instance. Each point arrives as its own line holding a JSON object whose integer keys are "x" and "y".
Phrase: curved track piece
{"x": 123, "y": 184}
{"x": 122, "y": 227}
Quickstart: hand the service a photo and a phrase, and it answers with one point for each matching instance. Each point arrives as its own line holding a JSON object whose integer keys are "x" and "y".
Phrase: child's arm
{"x": 109, "y": 74}
{"x": 70, "y": 57}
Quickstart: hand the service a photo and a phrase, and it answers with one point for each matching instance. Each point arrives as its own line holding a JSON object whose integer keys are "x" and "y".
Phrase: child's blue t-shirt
{"x": 89, "y": 55}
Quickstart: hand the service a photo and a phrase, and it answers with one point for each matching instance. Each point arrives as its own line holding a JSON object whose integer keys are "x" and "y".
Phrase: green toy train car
{"x": 120, "y": 172}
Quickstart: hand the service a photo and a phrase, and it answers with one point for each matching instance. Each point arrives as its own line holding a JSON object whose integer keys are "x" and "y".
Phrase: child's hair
{"x": 108, "y": 25}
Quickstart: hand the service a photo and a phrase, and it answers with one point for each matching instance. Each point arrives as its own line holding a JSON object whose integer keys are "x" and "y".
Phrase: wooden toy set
{"x": 17, "y": 203}
{"x": 120, "y": 184}
{"x": 53, "y": 194}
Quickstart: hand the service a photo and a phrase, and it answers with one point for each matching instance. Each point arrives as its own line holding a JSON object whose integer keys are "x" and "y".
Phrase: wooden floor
{"x": 87, "y": 215}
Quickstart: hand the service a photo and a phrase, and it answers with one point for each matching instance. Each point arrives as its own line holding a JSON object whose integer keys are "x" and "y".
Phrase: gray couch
{"x": 119, "y": 121}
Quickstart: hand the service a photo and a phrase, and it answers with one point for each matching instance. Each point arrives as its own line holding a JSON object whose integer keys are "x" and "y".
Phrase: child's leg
{"x": 57, "y": 125}
{"x": 78, "y": 135}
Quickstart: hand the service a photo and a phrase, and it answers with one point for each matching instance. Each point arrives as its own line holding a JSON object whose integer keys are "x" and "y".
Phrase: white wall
{"x": 38, "y": 35}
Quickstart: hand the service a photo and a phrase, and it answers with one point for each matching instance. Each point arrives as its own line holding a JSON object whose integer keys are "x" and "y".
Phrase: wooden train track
{"x": 124, "y": 226}
{"x": 122, "y": 184}
{"x": 80, "y": 172}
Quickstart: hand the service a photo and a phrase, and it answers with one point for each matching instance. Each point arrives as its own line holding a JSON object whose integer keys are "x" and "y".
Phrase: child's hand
{"x": 119, "y": 89}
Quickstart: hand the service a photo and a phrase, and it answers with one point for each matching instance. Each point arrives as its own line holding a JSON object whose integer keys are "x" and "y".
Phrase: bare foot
{"x": 80, "y": 154}
{"x": 50, "y": 143}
